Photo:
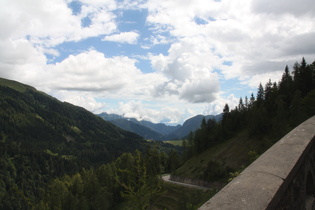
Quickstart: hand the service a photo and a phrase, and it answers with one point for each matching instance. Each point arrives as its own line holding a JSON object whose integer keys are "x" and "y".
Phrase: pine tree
{"x": 312, "y": 67}
{"x": 251, "y": 101}
{"x": 286, "y": 82}
{"x": 241, "y": 106}
{"x": 306, "y": 76}
{"x": 286, "y": 87}
{"x": 260, "y": 95}
{"x": 246, "y": 103}
{"x": 226, "y": 109}
{"x": 296, "y": 75}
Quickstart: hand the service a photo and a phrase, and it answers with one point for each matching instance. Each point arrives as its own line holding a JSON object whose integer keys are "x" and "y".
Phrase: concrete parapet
{"x": 281, "y": 178}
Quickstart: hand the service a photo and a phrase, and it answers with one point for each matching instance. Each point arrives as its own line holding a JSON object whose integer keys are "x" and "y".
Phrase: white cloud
{"x": 155, "y": 112}
{"x": 216, "y": 107}
{"x": 20, "y": 60}
{"x": 123, "y": 37}
{"x": 110, "y": 4}
{"x": 92, "y": 71}
{"x": 263, "y": 78}
{"x": 49, "y": 23}
{"x": 189, "y": 67}
{"x": 80, "y": 99}
{"x": 255, "y": 36}
{"x": 280, "y": 7}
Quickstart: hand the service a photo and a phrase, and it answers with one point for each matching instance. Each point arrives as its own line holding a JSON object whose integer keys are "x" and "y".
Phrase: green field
{"x": 175, "y": 142}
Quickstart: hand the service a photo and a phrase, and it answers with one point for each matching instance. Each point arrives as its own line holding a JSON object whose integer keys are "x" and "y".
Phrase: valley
{"x": 158, "y": 131}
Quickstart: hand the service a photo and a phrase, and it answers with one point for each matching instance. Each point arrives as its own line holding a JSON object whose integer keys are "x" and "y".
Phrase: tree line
{"x": 276, "y": 109}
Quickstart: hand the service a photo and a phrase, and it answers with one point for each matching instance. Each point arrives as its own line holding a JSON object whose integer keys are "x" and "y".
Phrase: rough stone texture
{"x": 278, "y": 179}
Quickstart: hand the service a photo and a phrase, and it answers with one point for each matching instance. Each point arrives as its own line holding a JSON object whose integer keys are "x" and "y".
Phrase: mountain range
{"x": 158, "y": 131}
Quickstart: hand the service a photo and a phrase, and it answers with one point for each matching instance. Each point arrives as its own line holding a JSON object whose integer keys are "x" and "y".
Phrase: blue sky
{"x": 158, "y": 60}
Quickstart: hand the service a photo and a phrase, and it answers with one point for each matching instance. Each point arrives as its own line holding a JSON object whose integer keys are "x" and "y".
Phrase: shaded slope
{"x": 42, "y": 122}
{"x": 231, "y": 154}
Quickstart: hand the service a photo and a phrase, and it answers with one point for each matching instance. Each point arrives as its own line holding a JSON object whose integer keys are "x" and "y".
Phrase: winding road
{"x": 166, "y": 178}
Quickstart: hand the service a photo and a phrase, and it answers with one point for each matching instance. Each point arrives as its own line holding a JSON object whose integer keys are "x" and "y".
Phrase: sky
{"x": 157, "y": 60}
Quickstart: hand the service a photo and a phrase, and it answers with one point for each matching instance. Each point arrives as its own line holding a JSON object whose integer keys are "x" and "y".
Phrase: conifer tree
{"x": 260, "y": 95}
{"x": 241, "y": 105}
{"x": 251, "y": 100}
{"x": 138, "y": 187}
{"x": 246, "y": 103}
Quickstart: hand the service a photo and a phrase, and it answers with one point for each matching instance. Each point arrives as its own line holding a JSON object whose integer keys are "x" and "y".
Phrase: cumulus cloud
{"x": 92, "y": 71}
{"x": 303, "y": 44}
{"x": 33, "y": 28}
{"x": 50, "y": 23}
{"x": 149, "y": 112}
{"x": 216, "y": 107}
{"x": 124, "y": 37}
{"x": 297, "y": 8}
{"x": 20, "y": 60}
{"x": 246, "y": 33}
{"x": 190, "y": 73}
{"x": 80, "y": 99}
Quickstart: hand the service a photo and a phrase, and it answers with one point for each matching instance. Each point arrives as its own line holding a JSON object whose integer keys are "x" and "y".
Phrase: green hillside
{"x": 15, "y": 85}
{"x": 230, "y": 155}
{"x": 42, "y": 138}
{"x": 37, "y": 120}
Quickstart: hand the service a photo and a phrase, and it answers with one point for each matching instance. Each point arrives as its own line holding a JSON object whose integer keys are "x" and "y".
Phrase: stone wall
{"x": 281, "y": 178}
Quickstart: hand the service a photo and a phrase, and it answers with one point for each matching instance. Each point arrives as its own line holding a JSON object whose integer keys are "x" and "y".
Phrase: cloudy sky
{"x": 158, "y": 60}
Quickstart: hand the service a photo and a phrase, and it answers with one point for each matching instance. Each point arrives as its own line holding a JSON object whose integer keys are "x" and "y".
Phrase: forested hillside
{"x": 218, "y": 150}
{"x": 42, "y": 138}
{"x": 34, "y": 119}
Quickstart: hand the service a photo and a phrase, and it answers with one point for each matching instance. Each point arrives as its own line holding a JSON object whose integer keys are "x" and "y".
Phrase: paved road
{"x": 166, "y": 178}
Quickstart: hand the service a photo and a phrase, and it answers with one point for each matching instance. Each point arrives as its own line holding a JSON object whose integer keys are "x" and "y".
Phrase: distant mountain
{"x": 158, "y": 127}
{"x": 110, "y": 117}
{"x": 157, "y": 131}
{"x": 40, "y": 122}
{"x": 137, "y": 128}
{"x": 192, "y": 124}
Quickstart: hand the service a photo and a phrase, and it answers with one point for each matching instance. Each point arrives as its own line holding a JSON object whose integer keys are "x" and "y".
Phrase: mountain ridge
{"x": 158, "y": 131}
{"x": 32, "y": 117}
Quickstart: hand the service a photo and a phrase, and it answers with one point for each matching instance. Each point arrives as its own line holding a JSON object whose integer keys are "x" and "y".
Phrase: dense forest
{"x": 58, "y": 156}
{"x": 276, "y": 109}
